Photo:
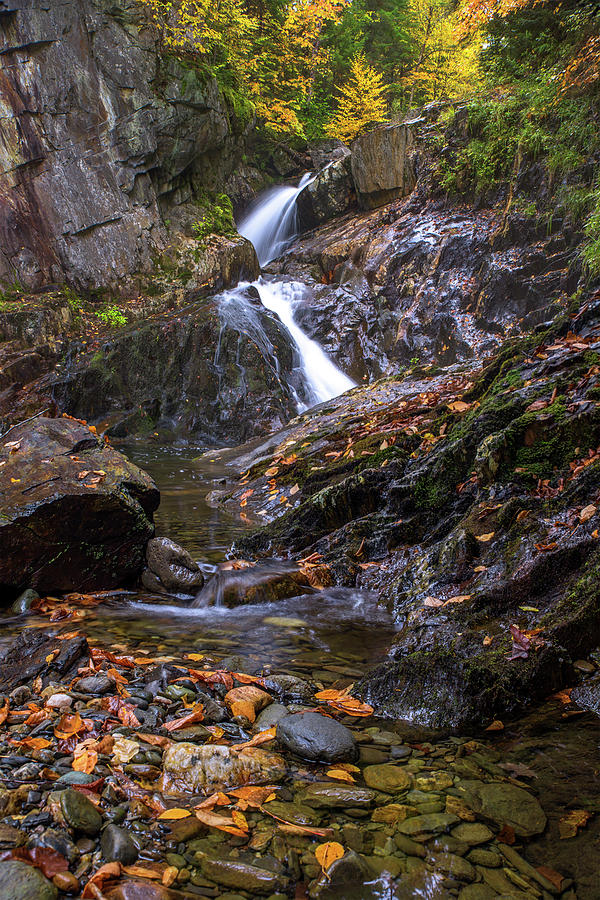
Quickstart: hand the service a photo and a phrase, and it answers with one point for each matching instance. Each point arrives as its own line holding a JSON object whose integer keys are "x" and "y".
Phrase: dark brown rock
{"x": 76, "y": 515}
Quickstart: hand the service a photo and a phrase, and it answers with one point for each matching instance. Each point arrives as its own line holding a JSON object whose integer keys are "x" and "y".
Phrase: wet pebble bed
{"x": 409, "y": 813}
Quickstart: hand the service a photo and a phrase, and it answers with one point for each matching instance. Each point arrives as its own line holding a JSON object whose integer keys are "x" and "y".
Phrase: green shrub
{"x": 112, "y": 316}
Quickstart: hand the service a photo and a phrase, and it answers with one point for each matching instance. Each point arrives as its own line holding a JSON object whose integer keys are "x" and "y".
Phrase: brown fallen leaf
{"x": 221, "y": 822}
{"x": 506, "y": 835}
{"x": 48, "y": 861}
{"x": 253, "y": 795}
{"x": 496, "y": 725}
{"x": 104, "y": 874}
{"x": 552, "y": 876}
{"x": 587, "y": 513}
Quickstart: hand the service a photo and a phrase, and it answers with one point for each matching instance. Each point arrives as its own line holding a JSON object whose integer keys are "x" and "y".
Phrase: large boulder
{"x": 382, "y": 166}
{"x": 329, "y": 195}
{"x": 171, "y": 569}
{"x": 75, "y": 515}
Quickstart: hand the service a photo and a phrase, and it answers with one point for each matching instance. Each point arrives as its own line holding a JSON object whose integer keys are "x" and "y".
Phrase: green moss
{"x": 216, "y": 218}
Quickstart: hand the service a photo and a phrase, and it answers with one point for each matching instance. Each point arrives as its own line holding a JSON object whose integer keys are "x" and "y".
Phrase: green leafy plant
{"x": 112, "y": 316}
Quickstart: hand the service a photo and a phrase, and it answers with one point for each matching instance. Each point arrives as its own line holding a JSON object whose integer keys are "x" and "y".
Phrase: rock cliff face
{"x": 103, "y": 143}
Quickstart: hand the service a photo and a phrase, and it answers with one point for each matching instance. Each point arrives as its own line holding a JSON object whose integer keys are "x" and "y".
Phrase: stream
{"x": 330, "y": 638}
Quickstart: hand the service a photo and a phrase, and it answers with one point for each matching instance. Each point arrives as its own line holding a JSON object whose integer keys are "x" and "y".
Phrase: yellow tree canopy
{"x": 362, "y": 102}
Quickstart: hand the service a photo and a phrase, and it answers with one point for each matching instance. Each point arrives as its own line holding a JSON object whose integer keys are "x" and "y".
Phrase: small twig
{"x": 41, "y": 413}
{"x": 40, "y": 483}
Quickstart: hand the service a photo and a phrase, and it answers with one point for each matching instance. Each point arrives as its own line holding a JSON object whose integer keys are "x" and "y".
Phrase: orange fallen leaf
{"x": 196, "y": 715}
{"x": 328, "y": 853}
{"x": 169, "y": 875}
{"x": 496, "y": 725}
{"x": 4, "y": 711}
{"x": 33, "y": 743}
{"x": 484, "y": 538}
{"x": 459, "y": 406}
{"x": 262, "y": 737}
{"x": 143, "y": 872}
{"x": 221, "y": 822}
{"x": 68, "y": 725}
{"x": 85, "y": 761}
{"x": 433, "y": 602}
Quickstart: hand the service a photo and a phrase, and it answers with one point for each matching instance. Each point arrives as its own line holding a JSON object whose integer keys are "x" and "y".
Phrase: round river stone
{"x": 387, "y": 778}
{"x": 118, "y": 846}
{"x": 316, "y": 737}
{"x": 79, "y": 812}
{"x": 18, "y": 881}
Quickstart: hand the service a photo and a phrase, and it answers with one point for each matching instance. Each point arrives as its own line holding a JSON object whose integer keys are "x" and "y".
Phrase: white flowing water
{"x": 272, "y": 221}
{"x": 323, "y": 378}
{"x": 271, "y": 225}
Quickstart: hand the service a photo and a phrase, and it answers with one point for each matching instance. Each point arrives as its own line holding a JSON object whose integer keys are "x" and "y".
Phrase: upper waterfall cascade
{"x": 271, "y": 224}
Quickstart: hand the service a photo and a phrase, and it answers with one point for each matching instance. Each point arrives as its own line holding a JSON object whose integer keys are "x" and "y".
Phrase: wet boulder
{"x": 382, "y": 167}
{"x": 329, "y": 195}
{"x": 171, "y": 569}
{"x": 76, "y": 514}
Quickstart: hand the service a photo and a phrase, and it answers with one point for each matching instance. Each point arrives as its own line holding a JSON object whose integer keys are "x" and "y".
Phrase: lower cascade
{"x": 271, "y": 225}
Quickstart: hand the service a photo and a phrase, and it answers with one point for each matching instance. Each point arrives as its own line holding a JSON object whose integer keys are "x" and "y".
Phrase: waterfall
{"x": 271, "y": 224}
{"x": 323, "y": 378}
{"x": 272, "y": 221}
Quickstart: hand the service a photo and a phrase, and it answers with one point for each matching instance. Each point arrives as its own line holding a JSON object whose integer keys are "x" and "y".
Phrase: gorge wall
{"x": 104, "y": 143}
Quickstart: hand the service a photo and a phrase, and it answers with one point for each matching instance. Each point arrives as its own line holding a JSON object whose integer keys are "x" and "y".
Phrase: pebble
{"x": 74, "y": 777}
{"x": 324, "y": 795}
{"x": 19, "y": 881}
{"x": 489, "y": 858}
{"x": 453, "y": 865}
{"x": 117, "y": 845}
{"x": 66, "y": 882}
{"x": 95, "y": 684}
{"x": 79, "y": 812}
{"x": 270, "y": 716}
{"x": 58, "y": 701}
{"x": 430, "y": 823}
{"x": 472, "y": 833}
{"x": 290, "y": 688}
{"x": 316, "y": 737}
{"x": 387, "y": 778}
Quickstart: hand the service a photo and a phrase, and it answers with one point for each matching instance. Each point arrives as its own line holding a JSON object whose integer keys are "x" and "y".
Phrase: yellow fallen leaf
{"x": 484, "y": 538}
{"x": 328, "y": 853}
{"x": 175, "y": 814}
{"x": 195, "y": 657}
{"x": 340, "y": 775}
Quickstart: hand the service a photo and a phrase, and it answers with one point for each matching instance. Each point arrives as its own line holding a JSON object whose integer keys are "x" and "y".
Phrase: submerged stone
{"x": 507, "y": 804}
{"x": 433, "y": 823}
{"x": 387, "y": 778}
{"x": 236, "y": 874}
{"x": 324, "y": 795}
